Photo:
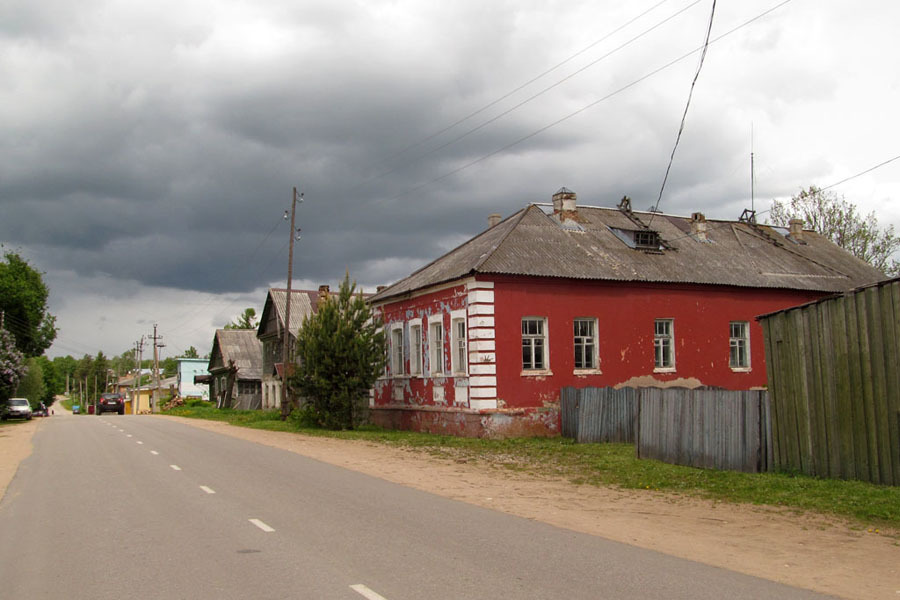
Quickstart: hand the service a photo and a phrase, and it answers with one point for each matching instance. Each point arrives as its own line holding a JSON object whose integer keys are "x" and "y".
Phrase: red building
{"x": 481, "y": 340}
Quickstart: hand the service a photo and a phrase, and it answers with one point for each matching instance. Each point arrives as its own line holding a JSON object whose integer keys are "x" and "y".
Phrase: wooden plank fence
{"x": 834, "y": 375}
{"x": 705, "y": 428}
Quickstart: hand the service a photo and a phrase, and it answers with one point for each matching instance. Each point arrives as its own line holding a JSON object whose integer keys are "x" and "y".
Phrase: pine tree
{"x": 340, "y": 352}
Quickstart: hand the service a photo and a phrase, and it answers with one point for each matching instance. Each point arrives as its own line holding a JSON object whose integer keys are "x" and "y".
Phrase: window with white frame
{"x": 459, "y": 350}
{"x": 585, "y": 342}
{"x": 415, "y": 349}
{"x": 664, "y": 344}
{"x": 436, "y": 346}
{"x": 739, "y": 345}
{"x": 534, "y": 344}
{"x": 397, "y": 350}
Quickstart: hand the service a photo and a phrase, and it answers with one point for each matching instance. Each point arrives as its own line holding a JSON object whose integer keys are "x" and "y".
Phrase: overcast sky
{"x": 148, "y": 150}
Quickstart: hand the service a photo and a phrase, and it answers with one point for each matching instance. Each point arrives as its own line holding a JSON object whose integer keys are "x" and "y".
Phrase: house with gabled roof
{"x": 271, "y": 331}
{"x": 235, "y": 364}
{"x": 481, "y": 340}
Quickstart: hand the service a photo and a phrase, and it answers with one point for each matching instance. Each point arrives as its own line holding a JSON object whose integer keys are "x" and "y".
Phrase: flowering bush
{"x": 12, "y": 364}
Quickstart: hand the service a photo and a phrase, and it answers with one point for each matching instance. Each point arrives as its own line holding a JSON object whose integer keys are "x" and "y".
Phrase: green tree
{"x": 32, "y": 384}
{"x": 66, "y": 366}
{"x": 340, "y": 353}
{"x": 53, "y": 384}
{"x": 168, "y": 367}
{"x": 190, "y": 353}
{"x": 246, "y": 320}
{"x": 833, "y": 217}
{"x": 23, "y": 302}
{"x": 83, "y": 375}
{"x": 12, "y": 364}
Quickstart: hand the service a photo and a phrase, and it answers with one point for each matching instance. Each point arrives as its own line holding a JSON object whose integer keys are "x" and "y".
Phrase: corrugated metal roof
{"x": 303, "y": 303}
{"x": 241, "y": 346}
{"x": 532, "y": 242}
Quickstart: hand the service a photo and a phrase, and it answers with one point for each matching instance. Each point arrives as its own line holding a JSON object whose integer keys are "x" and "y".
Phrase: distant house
{"x": 188, "y": 369}
{"x": 271, "y": 335}
{"x": 480, "y": 341}
{"x": 234, "y": 367}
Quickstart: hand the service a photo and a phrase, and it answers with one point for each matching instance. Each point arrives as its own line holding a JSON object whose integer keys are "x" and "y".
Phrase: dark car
{"x": 41, "y": 410}
{"x": 111, "y": 403}
{"x": 16, "y": 408}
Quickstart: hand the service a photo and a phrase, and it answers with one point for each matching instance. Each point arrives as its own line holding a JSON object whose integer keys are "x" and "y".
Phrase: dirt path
{"x": 821, "y": 554}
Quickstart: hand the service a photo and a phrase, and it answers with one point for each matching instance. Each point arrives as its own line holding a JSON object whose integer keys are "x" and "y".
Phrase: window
{"x": 458, "y": 345}
{"x": 397, "y": 350}
{"x": 415, "y": 349}
{"x": 436, "y": 346}
{"x": 664, "y": 344}
{"x": 585, "y": 336}
{"x": 534, "y": 344}
{"x": 739, "y": 345}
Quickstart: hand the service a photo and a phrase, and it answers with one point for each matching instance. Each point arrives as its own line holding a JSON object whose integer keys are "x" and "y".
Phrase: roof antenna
{"x": 752, "y": 173}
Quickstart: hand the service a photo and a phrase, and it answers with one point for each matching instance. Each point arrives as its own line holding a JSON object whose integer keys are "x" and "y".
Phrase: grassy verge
{"x": 613, "y": 465}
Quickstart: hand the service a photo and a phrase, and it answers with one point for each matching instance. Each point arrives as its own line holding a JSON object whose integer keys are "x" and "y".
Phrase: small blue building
{"x": 188, "y": 368}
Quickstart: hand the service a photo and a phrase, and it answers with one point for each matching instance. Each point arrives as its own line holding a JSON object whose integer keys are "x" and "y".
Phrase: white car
{"x": 17, "y": 408}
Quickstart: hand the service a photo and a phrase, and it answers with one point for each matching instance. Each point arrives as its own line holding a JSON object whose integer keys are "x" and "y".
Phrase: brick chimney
{"x": 324, "y": 293}
{"x": 698, "y": 226}
{"x": 564, "y": 201}
{"x": 494, "y": 219}
{"x": 380, "y": 288}
{"x": 796, "y": 228}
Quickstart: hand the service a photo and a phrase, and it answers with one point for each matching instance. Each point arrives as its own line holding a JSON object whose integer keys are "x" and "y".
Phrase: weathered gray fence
{"x": 599, "y": 414}
{"x": 717, "y": 429}
{"x": 834, "y": 375}
{"x": 714, "y": 429}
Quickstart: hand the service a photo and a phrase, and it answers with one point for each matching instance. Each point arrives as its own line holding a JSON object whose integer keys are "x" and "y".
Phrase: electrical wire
{"x": 586, "y": 107}
{"x": 687, "y": 105}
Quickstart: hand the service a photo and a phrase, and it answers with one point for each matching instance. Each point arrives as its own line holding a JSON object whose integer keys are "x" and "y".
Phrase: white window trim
{"x": 436, "y": 320}
{"x": 749, "y": 366}
{"x": 546, "y": 370}
{"x": 596, "y": 370}
{"x": 419, "y": 365}
{"x": 670, "y": 369}
{"x": 395, "y": 327}
{"x": 459, "y": 316}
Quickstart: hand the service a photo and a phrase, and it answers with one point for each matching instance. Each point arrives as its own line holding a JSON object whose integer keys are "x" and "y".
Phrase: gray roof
{"x": 586, "y": 246}
{"x": 241, "y": 346}
{"x": 303, "y": 303}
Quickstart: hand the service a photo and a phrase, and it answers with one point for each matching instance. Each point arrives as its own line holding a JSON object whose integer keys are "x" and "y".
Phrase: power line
{"x": 587, "y": 106}
{"x": 686, "y": 107}
{"x": 888, "y": 161}
{"x": 530, "y": 98}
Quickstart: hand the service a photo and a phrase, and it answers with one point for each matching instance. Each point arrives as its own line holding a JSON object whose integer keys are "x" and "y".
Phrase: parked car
{"x": 17, "y": 408}
{"x": 41, "y": 411}
{"x": 111, "y": 403}
{"x": 76, "y": 409}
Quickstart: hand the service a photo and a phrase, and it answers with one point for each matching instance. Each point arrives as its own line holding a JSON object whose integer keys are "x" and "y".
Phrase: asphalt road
{"x": 137, "y": 507}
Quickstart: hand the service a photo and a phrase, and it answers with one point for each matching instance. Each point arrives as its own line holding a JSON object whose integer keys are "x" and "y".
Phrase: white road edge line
{"x": 175, "y": 467}
{"x": 208, "y": 490}
{"x": 366, "y": 592}
{"x": 262, "y": 525}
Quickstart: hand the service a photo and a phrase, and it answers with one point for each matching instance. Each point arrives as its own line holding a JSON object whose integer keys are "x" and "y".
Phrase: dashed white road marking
{"x": 129, "y": 435}
{"x": 175, "y": 467}
{"x": 262, "y": 525}
{"x": 140, "y": 442}
{"x": 365, "y": 592}
{"x": 208, "y": 490}
{"x": 154, "y": 452}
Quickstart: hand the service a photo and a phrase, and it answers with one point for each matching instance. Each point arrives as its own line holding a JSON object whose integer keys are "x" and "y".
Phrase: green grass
{"x": 611, "y": 465}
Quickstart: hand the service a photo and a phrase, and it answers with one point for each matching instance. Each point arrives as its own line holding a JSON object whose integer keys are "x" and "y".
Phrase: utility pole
{"x": 136, "y": 384}
{"x": 154, "y": 403}
{"x": 286, "y": 348}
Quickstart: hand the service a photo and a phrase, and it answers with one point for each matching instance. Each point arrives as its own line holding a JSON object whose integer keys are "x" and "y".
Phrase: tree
{"x": 53, "y": 384}
{"x": 833, "y": 217}
{"x": 23, "y": 302}
{"x": 12, "y": 364}
{"x": 190, "y": 353}
{"x": 340, "y": 353}
{"x": 247, "y": 320}
{"x": 31, "y": 385}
